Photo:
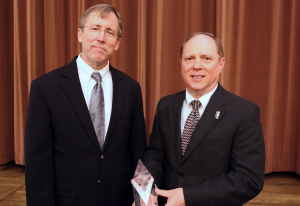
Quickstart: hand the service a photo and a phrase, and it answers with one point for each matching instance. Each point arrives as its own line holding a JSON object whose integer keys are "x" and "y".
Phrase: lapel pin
{"x": 217, "y": 115}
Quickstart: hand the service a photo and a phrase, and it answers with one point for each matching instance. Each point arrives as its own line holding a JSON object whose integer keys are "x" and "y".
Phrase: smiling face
{"x": 97, "y": 47}
{"x": 200, "y": 65}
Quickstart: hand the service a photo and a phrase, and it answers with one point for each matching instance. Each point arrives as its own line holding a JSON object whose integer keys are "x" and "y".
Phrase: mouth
{"x": 99, "y": 48}
{"x": 198, "y": 76}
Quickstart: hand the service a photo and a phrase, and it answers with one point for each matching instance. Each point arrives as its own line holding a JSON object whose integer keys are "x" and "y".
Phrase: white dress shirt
{"x": 187, "y": 108}
{"x": 87, "y": 84}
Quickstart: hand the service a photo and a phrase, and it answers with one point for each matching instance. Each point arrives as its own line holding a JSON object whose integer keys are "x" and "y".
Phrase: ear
{"x": 221, "y": 64}
{"x": 180, "y": 63}
{"x": 117, "y": 44}
{"x": 79, "y": 35}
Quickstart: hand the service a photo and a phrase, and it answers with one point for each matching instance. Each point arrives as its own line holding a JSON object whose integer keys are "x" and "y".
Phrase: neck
{"x": 94, "y": 66}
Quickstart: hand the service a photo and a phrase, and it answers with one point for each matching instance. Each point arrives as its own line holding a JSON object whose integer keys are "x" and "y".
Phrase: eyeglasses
{"x": 96, "y": 30}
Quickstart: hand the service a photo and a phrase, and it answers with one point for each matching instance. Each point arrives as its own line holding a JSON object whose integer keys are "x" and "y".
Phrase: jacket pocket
{"x": 66, "y": 189}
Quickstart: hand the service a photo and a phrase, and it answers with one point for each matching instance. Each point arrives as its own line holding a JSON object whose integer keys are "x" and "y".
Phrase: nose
{"x": 101, "y": 36}
{"x": 197, "y": 64}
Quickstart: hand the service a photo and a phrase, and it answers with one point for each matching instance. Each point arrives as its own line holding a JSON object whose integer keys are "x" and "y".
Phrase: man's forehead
{"x": 98, "y": 14}
{"x": 109, "y": 20}
{"x": 201, "y": 39}
{"x": 201, "y": 43}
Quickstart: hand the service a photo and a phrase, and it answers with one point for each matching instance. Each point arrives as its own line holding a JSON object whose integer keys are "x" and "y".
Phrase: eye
{"x": 110, "y": 33}
{"x": 94, "y": 28}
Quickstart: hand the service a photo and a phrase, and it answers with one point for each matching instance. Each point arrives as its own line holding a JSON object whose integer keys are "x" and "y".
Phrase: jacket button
{"x": 102, "y": 157}
{"x": 181, "y": 174}
{"x": 98, "y": 181}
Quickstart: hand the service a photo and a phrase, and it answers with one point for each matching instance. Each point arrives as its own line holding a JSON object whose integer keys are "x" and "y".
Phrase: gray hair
{"x": 104, "y": 11}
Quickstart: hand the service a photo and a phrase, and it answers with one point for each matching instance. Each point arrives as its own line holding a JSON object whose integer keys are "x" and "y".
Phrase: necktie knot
{"x": 195, "y": 104}
{"x": 97, "y": 77}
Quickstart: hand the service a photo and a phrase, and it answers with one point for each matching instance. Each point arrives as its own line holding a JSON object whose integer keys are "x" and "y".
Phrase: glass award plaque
{"x": 143, "y": 186}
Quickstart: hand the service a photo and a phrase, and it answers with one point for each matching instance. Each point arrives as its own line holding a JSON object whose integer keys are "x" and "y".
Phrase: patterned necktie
{"x": 190, "y": 125}
{"x": 96, "y": 108}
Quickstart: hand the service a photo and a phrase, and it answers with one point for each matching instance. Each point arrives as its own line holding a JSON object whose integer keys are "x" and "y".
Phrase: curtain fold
{"x": 6, "y": 82}
{"x": 261, "y": 46}
{"x": 260, "y": 40}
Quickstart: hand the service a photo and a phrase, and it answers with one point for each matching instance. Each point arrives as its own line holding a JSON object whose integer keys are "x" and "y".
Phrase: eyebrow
{"x": 97, "y": 25}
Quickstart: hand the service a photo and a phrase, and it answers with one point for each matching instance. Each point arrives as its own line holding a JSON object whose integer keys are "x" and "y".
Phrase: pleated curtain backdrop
{"x": 260, "y": 40}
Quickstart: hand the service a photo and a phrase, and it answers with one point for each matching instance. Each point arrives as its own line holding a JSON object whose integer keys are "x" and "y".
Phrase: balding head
{"x": 217, "y": 42}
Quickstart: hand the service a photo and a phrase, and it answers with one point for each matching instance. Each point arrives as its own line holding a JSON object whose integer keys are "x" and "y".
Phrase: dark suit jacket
{"x": 64, "y": 162}
{"x": 224, "y": 160}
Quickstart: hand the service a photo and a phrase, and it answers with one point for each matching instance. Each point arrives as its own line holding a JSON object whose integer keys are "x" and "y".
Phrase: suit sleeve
{"x": 245, "y": 178}
{"x": 138, "y": 143}
{"x": 154, "y": 157}
{"x": 39, "y": 171}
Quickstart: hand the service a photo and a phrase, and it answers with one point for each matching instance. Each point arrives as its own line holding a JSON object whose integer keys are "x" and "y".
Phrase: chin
{"x": 197, "y": 87}
{"x": 99, "y": 60}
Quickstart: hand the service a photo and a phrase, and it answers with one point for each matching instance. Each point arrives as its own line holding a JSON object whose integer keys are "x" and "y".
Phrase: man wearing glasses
{"x": 85, "y": 128}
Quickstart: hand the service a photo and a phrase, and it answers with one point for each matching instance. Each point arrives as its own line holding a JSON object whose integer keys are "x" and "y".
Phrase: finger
{"x": 164, "y": 193}
{"x": 133, "y": 204}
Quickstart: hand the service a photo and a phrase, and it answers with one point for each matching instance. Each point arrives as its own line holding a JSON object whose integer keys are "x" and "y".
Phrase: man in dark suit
{"x": 206, "y": 146}
{"x": 85, "y": 128}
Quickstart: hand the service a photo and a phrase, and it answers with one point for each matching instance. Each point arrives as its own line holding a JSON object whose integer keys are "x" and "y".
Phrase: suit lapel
{"x": 208, "y": 119}
{"x": 71, "y": 85}
{"x": 175, "y": 120}
{"x": 118, "y": 97}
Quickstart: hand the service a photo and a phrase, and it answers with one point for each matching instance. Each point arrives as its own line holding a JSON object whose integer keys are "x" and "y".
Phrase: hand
{"x": 175, "y": 196}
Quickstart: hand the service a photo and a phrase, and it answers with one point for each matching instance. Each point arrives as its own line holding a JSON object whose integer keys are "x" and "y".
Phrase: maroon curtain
{"x": 260, "y": 40}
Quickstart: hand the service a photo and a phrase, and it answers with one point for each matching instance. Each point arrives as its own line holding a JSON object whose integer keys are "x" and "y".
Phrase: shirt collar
{"x": 204, "y": 99}
{"x": 85, "y": 71}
